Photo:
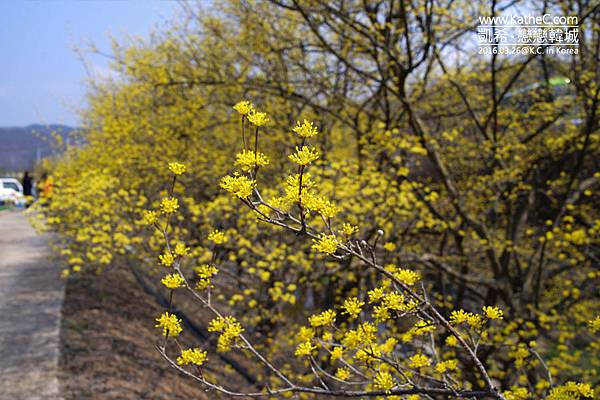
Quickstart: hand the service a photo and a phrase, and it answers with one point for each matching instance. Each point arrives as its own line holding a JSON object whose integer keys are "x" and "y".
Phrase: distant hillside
{"x": 22, "y": 147}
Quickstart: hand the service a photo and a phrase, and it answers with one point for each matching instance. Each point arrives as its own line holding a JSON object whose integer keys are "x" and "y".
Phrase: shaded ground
{"x": 31, "y": 295}
{"x": 107, "y": 341}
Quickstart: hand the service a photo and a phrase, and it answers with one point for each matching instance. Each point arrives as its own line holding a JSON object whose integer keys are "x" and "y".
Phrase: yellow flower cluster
{"x": 244, "y": 107}
{"x": 364, "y": 334}
{"x": 352, "y": 306}
{"x": 247, "y": 160}
{"x": 217, "y": 237}
{"x": 327, "y": 244}
{"x": 305, "y": 129}
{"x": 181, "y": 250}
{"x": 149, "y": 217}
{"x": 492, "y": 312}
{"x": 173, "y": 281}
{"x": 459, "y": 317}
{"x": 169, "y": 205}
{"x": 419, "y": 361}
{"x": 448, "y": 365}
{"x": 192, "y": 356}
{"x": 325, "y": 318}
{"x": 229, "y": 328}
{"x": 304, "y": 156}
{"x": 258, "y": 118}
{"x": 238, "y": 185}
{"x": 167, "y": 258}
{"x": 304, "y": 349}
{"x": 571, "y": 391}
{"x": 205, "y": 273}
{"x": 407, "y": 276}
{"x": 384, "y": 381}
{"x": 177, "y": 168}
{"x": 342, "y": 373}
{"x": 348, "y": 229}
{"x": 170, "y": 324}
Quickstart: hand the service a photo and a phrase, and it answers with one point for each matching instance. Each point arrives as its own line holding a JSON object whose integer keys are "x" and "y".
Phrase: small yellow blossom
{"x": 352, "y": 307}
{"x": 173, "y": 281}
{"x": 375, "y": 295}
{"x": 304, "y": 349}
{"x": 304, "y": 156}
{"x": 325, "y": 318}
{"x": 407, "y": 276}
{"x": 516, "y": 393}
{"x": 348, "y": 229}
{"x": 444, "y": 366}
{"x": 247, "y": 160}
{"x": 192, "y": 356}
{"x": 181, "y": 250}
{"x": 305, "y": 129}
{"x": 244, "y": 107}
{"x": 389, "y": 246}
{"x": 170, "y": 324}
{"x": 327, "y": 244}
{"x": 177, "y": 168}
{"x": 571, "y": 391}
{"x": 237, "y": 185}
{"x": 336, "y": 353}
{"x": 258, "y": 118}
{"x": 229, "y": 328}
{"x": 451, "y": 341}
{"x": 149, "y": 217}
{"x": 419, "y": 361}
{"x": 205, "y": 273}
{"x": 342, "y": 373}
{"x": 169, "y": 205}
{"x": 167, "y": 258}
{"x": 492, "y": 312}
{"x": 384, "y": 381}
{"x": 217, "y": 237}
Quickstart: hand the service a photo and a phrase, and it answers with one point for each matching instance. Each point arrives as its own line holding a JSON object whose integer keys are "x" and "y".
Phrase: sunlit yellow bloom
{"x": 594, "y": 324}
{"x": 336, "y": 353}
{"x": 448, "y": 365}
{"x": 342, "y": 373}
{"x": 352, "y": 306}
{"x": 229, "y": 328}
{"x": 327, "y": 244}
{"x": 217, "y": 237}
{"x": 177, "y": 168}
{"x": 305, "y": 129}
{"x": 304, "y": 349}
{"x": 304, "y": 156}
{"x": 247, "y": 160}
{"x": 192, "y": 356}
{"x": 244, "y": 107}
{"x": 205, "y": 273}
{"x": 348, "y": 229}
{"x": 407, "y": 276}
{"x": 181, "y": 250}
{"x": 169, "y": 205}
{"x": 170, "y": 324}
{"x": 258, "y": 118}
{"x": 238, "y": 185}
{"x": 149, "y": 217}
{"x": 492, "y": 312}
{"x": 325, "y": 318}
{"x": 419, "y": 361}
{"x": 167, "y": 258}
{"x": 173, "y": 281}
{"x": 384, "y": 381}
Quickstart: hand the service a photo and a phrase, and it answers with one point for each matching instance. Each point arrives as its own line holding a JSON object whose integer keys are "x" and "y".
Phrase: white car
{"x": 11, "y": 191}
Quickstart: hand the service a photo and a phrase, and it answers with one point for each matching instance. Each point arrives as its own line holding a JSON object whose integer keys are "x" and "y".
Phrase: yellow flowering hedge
{"x": 396, "y": 230}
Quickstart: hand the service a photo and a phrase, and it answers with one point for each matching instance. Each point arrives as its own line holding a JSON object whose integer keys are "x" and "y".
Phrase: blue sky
{"x": 41, "y": 77}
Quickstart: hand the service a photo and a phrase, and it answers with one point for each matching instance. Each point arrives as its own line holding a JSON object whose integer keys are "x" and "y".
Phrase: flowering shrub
{"x": 393, "y": 226}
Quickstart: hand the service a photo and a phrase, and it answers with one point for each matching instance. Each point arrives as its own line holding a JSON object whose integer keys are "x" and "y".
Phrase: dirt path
{"x": 31, "y": 295}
